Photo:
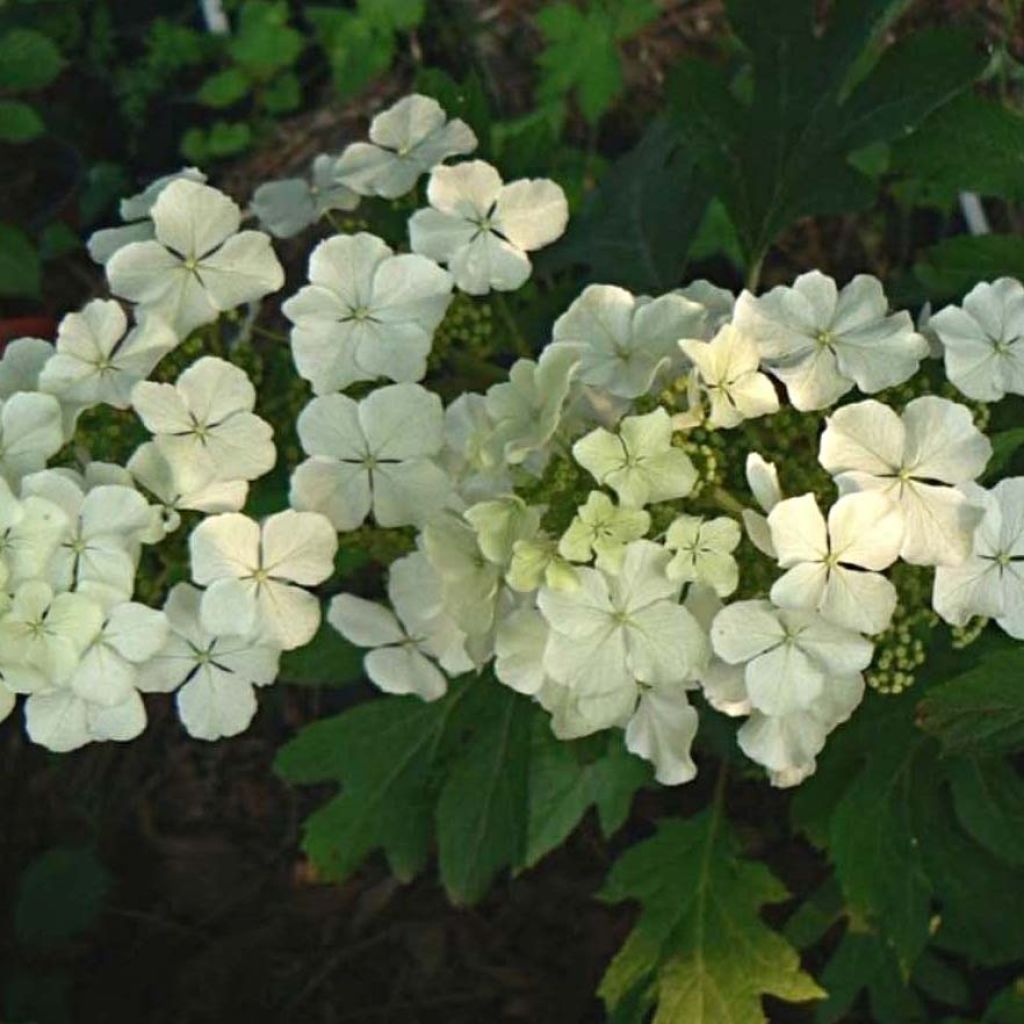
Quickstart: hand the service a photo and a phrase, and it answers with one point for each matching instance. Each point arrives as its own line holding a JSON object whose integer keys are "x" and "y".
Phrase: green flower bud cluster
{"x": 563, "y": 487}
{"x": 964, "y": 636}
{"x": 902, "y": 648}
{"x": 282, "y": 393}
{"x": 381, "y": 546}
{"x": 468, "y": 326}
{"x": 106, "y": 434}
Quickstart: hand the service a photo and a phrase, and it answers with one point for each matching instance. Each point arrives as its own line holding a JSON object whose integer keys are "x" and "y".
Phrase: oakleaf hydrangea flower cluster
{"x": 613, "y": 529}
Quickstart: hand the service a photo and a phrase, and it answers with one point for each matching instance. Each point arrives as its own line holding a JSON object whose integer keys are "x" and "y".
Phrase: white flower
{"x": 639, "y": 462}
{"x": 868, "y": 447}
{"x": 285, "y": 208}
{"x": 536, "y": 561}
{"x": 500, "y": 523}
{"x": 602, "y": 529}
{"x": 519, "y": 647}
{"x": 788, "y": 744}
{"x": 218, "y": 672}
{"x": 983, "y": 343}
{"x": 199, "y": 265}
{"x": 183, "y": 485}
{"x": 834, "y": 568}
{"x": 623, "y": 341}
{"x": 61, "y": 721}
{"x": 43, "y": 636}
{"x": 704, "y": 552}
{"x": 991, "y": 581}
{"x": 405, "y": 640}
{"x": 254, "y": 575}
{"x": 788, "y": 654}
{"x": 135, "y": 211}
{"x": 763, "y": 481}
{"x": 617, "y": 631}
{"x": 723, "y": 685}
{"x": 366, "y": 314}
{"x": 374, "y": 455}
{"x": 204, "y": 423}
{"x": 728, "y": 371}
{"x": 30, "y": 530}
{"x": 662, "y": 730}
{"x": 21, "y": 364}
{"x": 820, "y": 341}
{"x": 104, "y": 527}
{"x": 526, "y": 408}
{"x": 97, "y": 361}
{"x": 31, "y": 432}
{"x": 718, "y": 304}
{"x": 483, "y": 229}
{"x": 406, "y": 140}
{"x": 468, "y": 456}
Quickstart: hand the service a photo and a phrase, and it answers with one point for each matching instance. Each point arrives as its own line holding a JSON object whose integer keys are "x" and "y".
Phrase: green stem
{"x": 754, "y": 273}
{"x": 721, "y": 497}
{"x": 333, "y": 221}
{"x": 520, "y": 343}
{"x": 263, "y": 332}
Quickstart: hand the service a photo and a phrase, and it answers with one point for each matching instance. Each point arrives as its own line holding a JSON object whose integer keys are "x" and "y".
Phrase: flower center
{"x": 825, "y": 338}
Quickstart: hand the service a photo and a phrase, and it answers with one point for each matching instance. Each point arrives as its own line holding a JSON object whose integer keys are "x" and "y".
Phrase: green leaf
{"x": 481, "y": 815}
{"x": 385, "y": 754}
{"x": 1005, "y": 444}
{"x": 862, "y": 962}
{"x": 980, "y": 712}
{"x": 952, "y": 267}
{"x": 466, "y": 100}
{"x": 940, "y": 980}
{"x": 699, "y": 939}
{"x": 264, "y": 42}
{"x": 60, "y": 895}
{"x": 394, "y": 15}
{"x": 56, "y": 240}
{"x": 223, "y": 139}
{"x": 19, "y": 122}
{"x": 30, "y": 60}
{"x": 637, "y": 227}
{"x": 566, "y": 779}
{"x": 282, "y": 94}
{"x": 1007, "y": 1007}
{"x": 989, "y": 800}
{"x": 355, "y": 46}
{"x": 327, "y": 660}
{"x": 224, "y": 88}
{"x": 973, "y": 143}
{"x": 874, "y": 843}
{"x": 784, "y": 154}
{"x": 581, "y": 53}
{"x": 20, "y": 271}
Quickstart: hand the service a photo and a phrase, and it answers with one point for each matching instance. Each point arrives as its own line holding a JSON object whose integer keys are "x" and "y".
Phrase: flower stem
{"x": 522, "y": 347}
{"x": 727, "y": 501}
{"x": 264, "y": 332}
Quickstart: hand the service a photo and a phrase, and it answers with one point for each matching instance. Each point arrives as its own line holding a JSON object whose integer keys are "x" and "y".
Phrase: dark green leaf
{"x": 815, "y": 916}
{"x": 481, "y": 815}
{"x": 19, "y": 122}
{"x": 637, "y": 227}
{"x": 1005, "y": 444}
{"x": 224, "y": 88}
{"x": 784, "y": 154}
{"x": 567, "y": 778}
{"x": 327, "y": 660}
{"x": 955, "y": 265}
{"x": 356, "y": 47}
{"x": 1007, "y": 1007}
{"x": 973, "y": 143}
{"x": 29, "y": 60}
{"x": 466, "y": 100}
{"x": 699, "y": 938}
{"x": 989, "y": 800}
{"x": 940, "y": 980}
{"x": 282, "y": 94}
{"x": 20, "y": 272}
{"x": 394, "y": 15}
{"x": 60, "y": 895}
{"x": 56, "y": 240}
{"x": 980, "y": 712}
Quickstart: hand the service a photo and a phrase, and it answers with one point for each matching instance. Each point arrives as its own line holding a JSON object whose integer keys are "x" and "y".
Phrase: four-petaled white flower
{"x": 406, "y": 140}
{"x": 835, "y": 567}
{"x": 199, "y": 265}
{"x": 375, "y": 455}
{"x": 602, "y": 529}
{"x": 727, "y": 368}
{"x": 820, "y": 341}
{"x": 983, "y": 342}
{"x": 639, "y": 463}
{"x": 917, "y": 459}
{"x": 483, "y": 229}
{"x": 285, "y": 208}
{"x": 97, "y": 361}
{"x": 991, "y": 581}
{"x": 30, "y": 530}
{"x": 661, "y": 730}
{"x": 623, "y": 341}
{"x": 703, "y": 552}
{"x": 255, "y": 574}
{"x": 763, "y": 481}
{"x": 367, "y": 313}
{"x": 216, "y": 674}
{"x": 204, "y": 423}
{"x": 789, "y": 654}
{"x": 615, "y": 632}
{"x": 407, "y": 641}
